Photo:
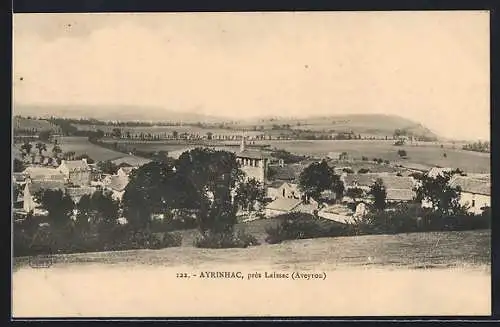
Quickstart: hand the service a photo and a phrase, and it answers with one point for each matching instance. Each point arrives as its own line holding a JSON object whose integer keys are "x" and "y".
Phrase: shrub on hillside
{"x": 45, "y": 239}
{"x": 225, "y": 240}
{"x": 295, "y": 226}
{"x": 408, "y": 218}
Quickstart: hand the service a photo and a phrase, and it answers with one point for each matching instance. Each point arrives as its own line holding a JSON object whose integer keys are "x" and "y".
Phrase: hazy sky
{"x": 432, "y": 67}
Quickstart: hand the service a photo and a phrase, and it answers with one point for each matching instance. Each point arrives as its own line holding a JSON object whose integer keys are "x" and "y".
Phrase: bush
{"x": 225, "y": 240}
{"x": 169, "y": 224}
{"x": 402, "y": 153}
{"x": 302, "y": 226}
{"x": 363, "y": 171}
{"x": 32, "y": 239}
{"x": 407, "y": 218}
{"x": 364, "y": 158}
{"x": 144, "y": 239}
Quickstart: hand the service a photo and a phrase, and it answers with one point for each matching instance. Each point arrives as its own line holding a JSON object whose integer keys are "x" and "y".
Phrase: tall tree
{"x": 107, "y": 167}
{"x": 355, "y": 193}
{"x": 213, "y": 174}
{"x": 116, "y": 132}
{"x": 85, "y": 156}
{"x": 105, "y": 209}
{"x": 155, "y": 188}
{"x": 18, "y": 166}
{"x": 56, "y": 150}
{"x": 58, "y": 204}
{"x": 437, "y": 191}
{"x": 26, "y": 147}
{"x": 379, "y": 193}
{"x": 318, "y": 177}
{"x": 249, "y": 193}
{"x": 84, "y": 213}
{"x": 41, "y": 147}
{"x": 70, "y": 155}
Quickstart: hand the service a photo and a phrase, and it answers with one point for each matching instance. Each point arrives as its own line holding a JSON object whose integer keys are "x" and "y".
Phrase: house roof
{"x": 283, "y": 204}
{"x": 437, "y": 171}
{"x": 400, "y": 194}
{"x": 390, "y": 181}
{"x": 292, "y": 186}
{"x": 43, "y": 173}
{"x": 127, "y": 170}
{"x": 37, "y": 185}
{"x": 306, "y": 207}
{"x": 133, "y": 161}
{"x": 359, "y": 179}
{"x": 275, "y": 184}
{"x": 73, "y": 165}
{"x": 472, "y": 185}
{"x": 412, "y": 166}
{"x": 397, "y": 182}
{"x": 252, "y": 154}
{"x": 77, "y": 192}
{"x": 118, "y": 183}
{"x": 175, "y": 154}
{"x": 337, "y": 209}
{"x": 307, "y": 162}
{"x": 287, "y": 172}
{"x": 18, "y": 176}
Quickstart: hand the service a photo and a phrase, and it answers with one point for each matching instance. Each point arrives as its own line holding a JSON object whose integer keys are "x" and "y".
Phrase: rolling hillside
{"x": 365, "y": 124}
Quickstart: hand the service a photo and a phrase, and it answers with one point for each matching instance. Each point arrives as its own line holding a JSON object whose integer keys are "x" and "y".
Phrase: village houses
{"x": 475, "y": 192}
{"x": 76, "y": 172}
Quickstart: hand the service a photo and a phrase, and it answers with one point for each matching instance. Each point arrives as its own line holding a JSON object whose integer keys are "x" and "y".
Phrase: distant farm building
{"x": 475, "y": 192}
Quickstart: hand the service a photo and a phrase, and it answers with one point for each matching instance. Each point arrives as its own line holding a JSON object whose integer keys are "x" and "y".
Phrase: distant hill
{"x": 365, "y": 124}
{"x": 112, "y": 113}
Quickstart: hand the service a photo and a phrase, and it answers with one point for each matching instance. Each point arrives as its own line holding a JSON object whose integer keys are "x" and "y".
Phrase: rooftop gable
{"x": 75, "y": 165}
{"x": 472, "y": 185}
{"x": 283, "y": 204}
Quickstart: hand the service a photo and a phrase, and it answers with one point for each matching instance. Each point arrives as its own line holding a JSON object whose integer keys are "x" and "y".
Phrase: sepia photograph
{"x": 251, "y": 164}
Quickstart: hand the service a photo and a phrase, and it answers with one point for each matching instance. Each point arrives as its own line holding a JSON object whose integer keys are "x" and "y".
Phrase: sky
{"x": 431, "y": 67}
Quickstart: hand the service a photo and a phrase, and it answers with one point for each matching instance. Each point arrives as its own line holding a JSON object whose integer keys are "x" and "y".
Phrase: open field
{"x": 428, "y": 154}
{"x": 21, "y": 123}
{"x": 473, "y": 162}
{"x": 166, "y": 129}
{"x": 444, "y": 273}
{"x": 80, "y": 145}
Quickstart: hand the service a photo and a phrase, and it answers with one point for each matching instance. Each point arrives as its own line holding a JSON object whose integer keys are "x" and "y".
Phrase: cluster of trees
{"x": 69, "y": 226}
{"x": 287, "y": 157}
{"x": 56, "y": 152}
{"x": 319, "y": 177}
{"x": 402, "y": 153}
{"x": 202, "y": 183}
{"x": 477, "y": 146}
{"x": 437, "y": 191}
{"x": 404, "y": 132}
{"x": 93, "y": 121}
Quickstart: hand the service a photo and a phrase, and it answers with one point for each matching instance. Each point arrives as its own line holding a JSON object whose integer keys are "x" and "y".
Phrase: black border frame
{"x": 62, "y": 6}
